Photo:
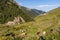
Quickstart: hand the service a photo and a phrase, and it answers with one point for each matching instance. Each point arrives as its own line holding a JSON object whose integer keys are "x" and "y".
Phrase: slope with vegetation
{"x": 10, "y": 9}
{"x": 45, "y": 27}
{"x": 32, "y": 12}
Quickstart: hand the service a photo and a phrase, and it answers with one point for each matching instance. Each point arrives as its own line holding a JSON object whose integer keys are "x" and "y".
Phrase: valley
{"x": 21, "y": 23}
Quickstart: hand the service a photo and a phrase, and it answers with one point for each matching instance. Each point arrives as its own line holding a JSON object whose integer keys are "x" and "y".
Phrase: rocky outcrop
{"x": 17, "y": 20}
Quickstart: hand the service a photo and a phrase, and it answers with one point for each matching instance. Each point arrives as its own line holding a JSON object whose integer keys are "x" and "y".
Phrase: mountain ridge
{"x": 10, "y": 9}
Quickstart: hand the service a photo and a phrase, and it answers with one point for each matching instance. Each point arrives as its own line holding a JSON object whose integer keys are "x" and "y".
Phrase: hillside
{"x": 32, "y": 12}
{"x": 45, "y": 27}
{"x": 10, "y": 9}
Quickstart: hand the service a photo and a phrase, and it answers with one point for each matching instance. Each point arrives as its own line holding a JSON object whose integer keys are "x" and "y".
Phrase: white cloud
{"x": 46, "y": 5}
{"x": 20, "y": 3}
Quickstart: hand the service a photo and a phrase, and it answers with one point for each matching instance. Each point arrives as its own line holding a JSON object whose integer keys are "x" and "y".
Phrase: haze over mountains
{"x": 32, "y": 12}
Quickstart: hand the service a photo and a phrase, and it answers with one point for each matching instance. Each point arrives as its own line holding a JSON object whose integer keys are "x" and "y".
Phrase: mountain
{"x": 45, "y": 27}
{"x": 10, "y": 9}
{"x": 49, "y": 23}
{"x": 32, "y": 12}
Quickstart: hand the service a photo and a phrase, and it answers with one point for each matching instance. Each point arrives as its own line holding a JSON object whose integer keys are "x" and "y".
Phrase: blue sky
{"x": 44, "y": 5}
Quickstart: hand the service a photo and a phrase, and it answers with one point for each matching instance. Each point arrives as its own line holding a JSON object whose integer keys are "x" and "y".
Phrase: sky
{"x": 44, "y": 5}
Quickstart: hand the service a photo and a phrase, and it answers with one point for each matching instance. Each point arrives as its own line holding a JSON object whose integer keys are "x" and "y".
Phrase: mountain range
{"x": 10, "y": 9}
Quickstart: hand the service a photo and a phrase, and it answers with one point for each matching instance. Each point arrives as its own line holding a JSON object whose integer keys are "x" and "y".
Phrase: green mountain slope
{"x": 9, "y": 9}
{"x": 45, "y": 27}
{"x": 50, "y": 23}
{"x": 32, "y": 12}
